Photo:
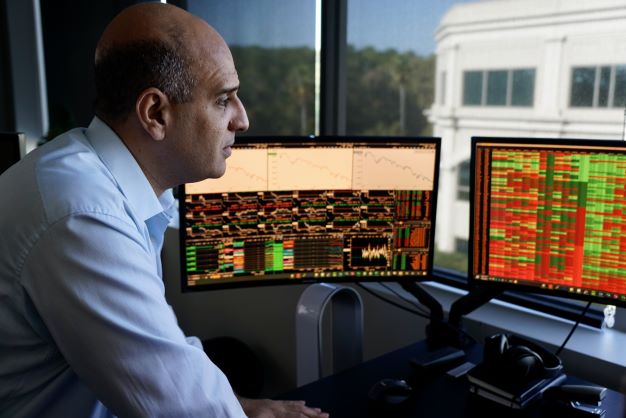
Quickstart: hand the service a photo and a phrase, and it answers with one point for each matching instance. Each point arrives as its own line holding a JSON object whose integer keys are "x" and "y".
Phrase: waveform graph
{"x": 394, "y": 168}
{"x": 309, "y": 168}
{"x": 369, "y": 252}
{"x": 246, "y": 170}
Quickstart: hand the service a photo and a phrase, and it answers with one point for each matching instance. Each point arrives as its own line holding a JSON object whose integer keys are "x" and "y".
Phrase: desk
{"x": 344, "y": 395}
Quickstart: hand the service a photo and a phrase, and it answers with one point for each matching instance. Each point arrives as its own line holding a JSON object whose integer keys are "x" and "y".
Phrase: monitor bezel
{"x": 474, "y": 283}
{"x": 298, "y": 141}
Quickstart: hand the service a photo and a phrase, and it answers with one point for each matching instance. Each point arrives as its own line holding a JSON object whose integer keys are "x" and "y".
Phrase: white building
{"x": 522, "y": 68}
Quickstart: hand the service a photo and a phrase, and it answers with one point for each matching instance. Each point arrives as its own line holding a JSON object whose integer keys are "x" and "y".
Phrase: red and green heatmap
{"x": 559, "y": 217}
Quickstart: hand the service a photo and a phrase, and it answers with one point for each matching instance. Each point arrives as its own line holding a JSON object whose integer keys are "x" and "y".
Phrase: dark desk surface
{"x": 344, "y": 395}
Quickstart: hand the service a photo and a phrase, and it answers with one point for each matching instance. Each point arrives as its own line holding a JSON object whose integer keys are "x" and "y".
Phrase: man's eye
{"x": 223, "y": 101}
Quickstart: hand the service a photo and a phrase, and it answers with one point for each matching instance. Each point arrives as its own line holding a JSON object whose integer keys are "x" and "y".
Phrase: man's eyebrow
{"x": 228, "y": 90}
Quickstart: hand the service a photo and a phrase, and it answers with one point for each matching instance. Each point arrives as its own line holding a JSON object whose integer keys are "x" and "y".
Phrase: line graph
{"x": 309, "y": 169}
{"x": 395, "y": 168}
{"x": 370, "y": 253}
{"x": 246, "y": 171}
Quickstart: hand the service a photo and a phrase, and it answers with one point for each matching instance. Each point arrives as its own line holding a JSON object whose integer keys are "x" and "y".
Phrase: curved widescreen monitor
{"x": 549, "y": 216}
{"x": 304, "y": 209}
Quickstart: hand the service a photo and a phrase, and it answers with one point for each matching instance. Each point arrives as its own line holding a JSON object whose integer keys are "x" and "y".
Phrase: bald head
{"x": 156, "y": 21}
{"x": 152, "y": 45}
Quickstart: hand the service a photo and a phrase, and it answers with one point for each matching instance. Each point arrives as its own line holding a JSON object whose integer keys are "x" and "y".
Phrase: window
{"x": 472, "y": 88}
{"x": 619, "y": 100}
{"x": 503, "y": 88}
{"x": 523, "y": 89}
{"x": 390, "y": 67}
{"x": 463, "y": 181}
{"x": 461, "y": 245}
{"x": 273, "y": 45}
{"x": 497, "y": 88}
{"x": 598, "y": 86}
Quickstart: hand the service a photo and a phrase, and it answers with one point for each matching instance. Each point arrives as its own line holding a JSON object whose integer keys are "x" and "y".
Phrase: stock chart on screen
{"x": 344, "y": 209}
{"x": 551, "y": 215}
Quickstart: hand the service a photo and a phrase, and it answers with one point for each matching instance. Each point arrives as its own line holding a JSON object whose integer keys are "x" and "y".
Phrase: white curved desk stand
{"x": 347, "y": 329}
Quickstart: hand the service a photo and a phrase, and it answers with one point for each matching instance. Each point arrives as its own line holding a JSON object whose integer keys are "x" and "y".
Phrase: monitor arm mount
{"x": 474, "y": 299}
{"x": 439, "y": 332}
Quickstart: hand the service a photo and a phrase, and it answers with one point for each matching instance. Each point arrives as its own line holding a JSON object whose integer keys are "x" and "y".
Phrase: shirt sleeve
{"x": 93, "y": 279}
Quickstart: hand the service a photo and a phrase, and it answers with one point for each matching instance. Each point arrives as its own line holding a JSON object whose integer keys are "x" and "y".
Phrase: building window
{"x": 472, "y": 88}
{"x": 499, "y": 88}
{"x": 598, "y": 86}
{"x": 619, "y": 100}
{"x": 461, "y": 245}
{"x": 463, "y": 181}
{"x": 523, "y": 88}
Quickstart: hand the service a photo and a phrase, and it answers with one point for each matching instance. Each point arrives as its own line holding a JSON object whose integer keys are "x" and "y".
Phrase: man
{"x": 85, "y": 330}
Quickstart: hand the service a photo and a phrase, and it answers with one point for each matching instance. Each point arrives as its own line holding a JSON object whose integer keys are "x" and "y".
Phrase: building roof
{"x": 492, "y": 14}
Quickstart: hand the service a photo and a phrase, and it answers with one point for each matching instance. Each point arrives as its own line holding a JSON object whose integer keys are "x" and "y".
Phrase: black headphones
{"x": 520, "y": 359}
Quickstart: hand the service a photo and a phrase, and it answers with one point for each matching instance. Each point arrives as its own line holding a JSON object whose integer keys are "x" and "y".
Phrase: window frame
{"x": 484, "y": 100}
{"x": 597, "y": 82}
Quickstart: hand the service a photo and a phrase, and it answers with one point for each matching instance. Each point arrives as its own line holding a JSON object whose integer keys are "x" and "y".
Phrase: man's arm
{"x": 94, "y": 282}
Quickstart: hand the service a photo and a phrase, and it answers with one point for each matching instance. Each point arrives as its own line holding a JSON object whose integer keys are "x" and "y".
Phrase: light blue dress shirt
{"x": 85, "y": 330}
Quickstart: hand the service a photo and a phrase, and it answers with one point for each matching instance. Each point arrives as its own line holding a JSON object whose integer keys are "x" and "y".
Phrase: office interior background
{"x": 448, "y": 68}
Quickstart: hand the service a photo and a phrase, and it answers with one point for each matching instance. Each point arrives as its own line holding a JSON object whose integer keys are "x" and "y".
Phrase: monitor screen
{"x": 303, "y": 209}
{"x": 549, "y": 216}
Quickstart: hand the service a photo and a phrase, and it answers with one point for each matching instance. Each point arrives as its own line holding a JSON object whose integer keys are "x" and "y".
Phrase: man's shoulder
{"x": 72, "y": 179}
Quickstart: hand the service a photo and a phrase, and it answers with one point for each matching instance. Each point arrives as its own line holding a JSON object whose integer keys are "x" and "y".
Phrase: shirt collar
{"x": 127, "y": 173}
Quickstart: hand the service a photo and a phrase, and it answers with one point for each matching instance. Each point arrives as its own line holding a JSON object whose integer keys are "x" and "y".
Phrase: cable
{"x": 391, "y": 302}
{"x": 415, "y": 312}
{"x": 580, "y": 317}
{"x": 395, "y": 292}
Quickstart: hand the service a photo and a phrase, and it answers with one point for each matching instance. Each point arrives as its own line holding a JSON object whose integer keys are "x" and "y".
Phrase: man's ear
{"x": 153, "y": 112}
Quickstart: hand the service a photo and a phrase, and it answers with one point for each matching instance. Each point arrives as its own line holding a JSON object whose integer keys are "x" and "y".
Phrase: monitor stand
{"x": 446, "y": 338}
{"x": 347, "y": 329}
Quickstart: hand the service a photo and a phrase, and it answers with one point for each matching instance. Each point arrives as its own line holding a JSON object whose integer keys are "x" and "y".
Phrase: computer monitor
{"x": 10, "y": 144}
{"x": 549, "y": 216}
{"x": 312, "y": 209}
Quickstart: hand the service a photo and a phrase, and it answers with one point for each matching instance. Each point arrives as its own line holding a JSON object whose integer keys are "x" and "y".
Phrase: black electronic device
{"x": 586, "y": 394}
{"x": 571, "y": 409}
{"x": 547, "y": 216}
{"x": 313, "y": 209}
{"x": 10, "y": 145}
{"x": 519, "y": 359}
{"x": 514, "y": 371}
{"x": 390, "y": 391}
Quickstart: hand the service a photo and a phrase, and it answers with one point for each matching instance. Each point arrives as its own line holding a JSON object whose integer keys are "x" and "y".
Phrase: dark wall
{"x": 7, "y": 116}
{"x": 71, "y": 29}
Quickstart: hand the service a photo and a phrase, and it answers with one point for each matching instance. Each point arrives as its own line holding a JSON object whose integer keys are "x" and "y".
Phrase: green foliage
{"x": 387, "y": 91}
{"x": 277, "y": 88}
{"x": 375, "y": 81}
{"x": 455, "y": 261}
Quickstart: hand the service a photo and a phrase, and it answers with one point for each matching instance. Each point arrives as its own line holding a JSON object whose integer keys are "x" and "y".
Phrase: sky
{"x": 405, "y": 25}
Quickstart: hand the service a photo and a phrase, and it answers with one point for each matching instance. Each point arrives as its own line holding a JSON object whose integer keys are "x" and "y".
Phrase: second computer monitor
{"x": 294, "y": 210}
{"x": 549, "y": 216}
